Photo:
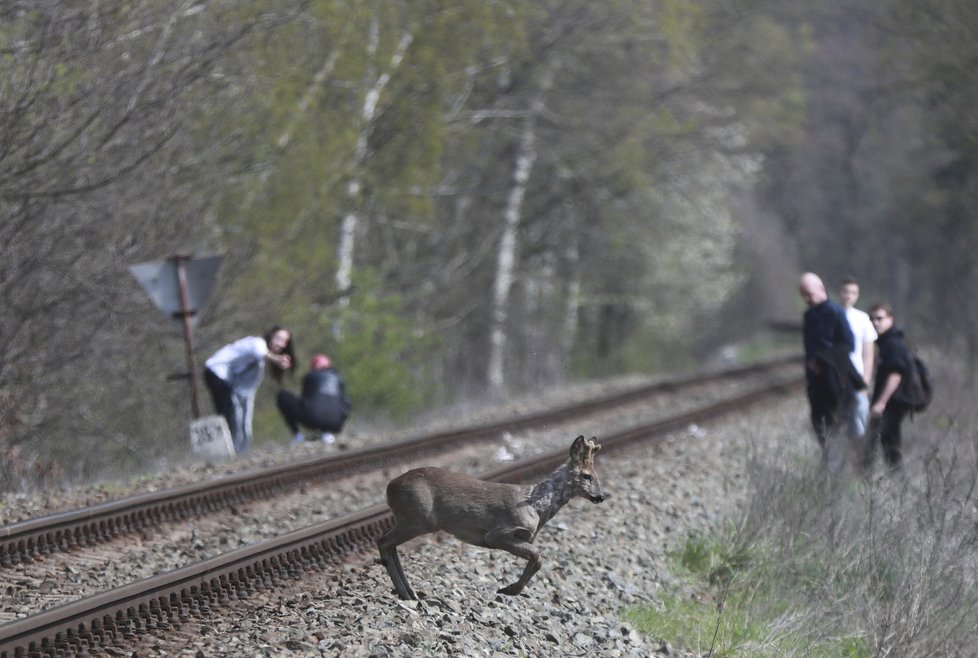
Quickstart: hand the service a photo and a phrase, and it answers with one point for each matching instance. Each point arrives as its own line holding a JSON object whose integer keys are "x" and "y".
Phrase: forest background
{"x": 460, "y": 199}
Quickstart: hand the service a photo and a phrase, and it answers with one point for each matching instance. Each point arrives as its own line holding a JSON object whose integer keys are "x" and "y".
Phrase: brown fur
{"x": 487, "y": 514}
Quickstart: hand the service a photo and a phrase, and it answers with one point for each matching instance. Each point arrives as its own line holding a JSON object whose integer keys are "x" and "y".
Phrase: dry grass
{"x": 885, "y": 567}
{"x": 893, "y": 561}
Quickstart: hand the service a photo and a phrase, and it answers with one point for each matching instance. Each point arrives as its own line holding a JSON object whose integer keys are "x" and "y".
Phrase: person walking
{"x": 894, "y": 369}
{"x": 862, "y": 356}
{"x": 234, "y": 373}
{"x": 323, "y": 405}
{"x": 829, "y": 373}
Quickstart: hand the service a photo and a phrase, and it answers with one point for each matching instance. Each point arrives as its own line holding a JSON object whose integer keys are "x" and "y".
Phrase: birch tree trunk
{"x": 526, "y": 155}
{"x": 374, "y": 85}
{"x": 572, "y": 299}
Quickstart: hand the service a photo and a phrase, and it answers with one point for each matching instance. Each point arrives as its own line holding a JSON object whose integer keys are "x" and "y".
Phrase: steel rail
{"x": 27, "y": 540}
{"x": 115, "y": 617}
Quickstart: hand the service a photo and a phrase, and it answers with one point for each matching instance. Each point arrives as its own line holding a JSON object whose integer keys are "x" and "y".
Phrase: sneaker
{"x": 298, "y": 438}
{"x": 328, "y": 437}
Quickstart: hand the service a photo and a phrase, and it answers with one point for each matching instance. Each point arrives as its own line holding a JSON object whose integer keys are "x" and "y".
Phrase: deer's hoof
{"x": 510, "y": 590}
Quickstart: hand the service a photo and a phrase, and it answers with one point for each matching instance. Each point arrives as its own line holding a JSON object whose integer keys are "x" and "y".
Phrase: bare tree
{"x": 374, "y": 83}
{"x": 99, "y": 168}
{"x": 526, "y": 154}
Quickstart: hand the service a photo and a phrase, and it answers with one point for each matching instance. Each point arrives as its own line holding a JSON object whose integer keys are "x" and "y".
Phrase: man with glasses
{"x": 894, "y": 366}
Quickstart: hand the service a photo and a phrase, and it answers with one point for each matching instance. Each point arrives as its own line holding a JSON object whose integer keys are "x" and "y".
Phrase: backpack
{"x": 919, "y": 390}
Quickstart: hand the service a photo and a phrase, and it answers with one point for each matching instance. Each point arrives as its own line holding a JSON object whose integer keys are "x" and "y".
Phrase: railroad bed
{"x": 322, "y": 609}
{"x": 597, "y": 559}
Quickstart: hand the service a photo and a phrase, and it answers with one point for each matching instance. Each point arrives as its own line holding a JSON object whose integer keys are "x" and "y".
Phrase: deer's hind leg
{"x": 387, "y": 545}
{"x": 518, "y": 543}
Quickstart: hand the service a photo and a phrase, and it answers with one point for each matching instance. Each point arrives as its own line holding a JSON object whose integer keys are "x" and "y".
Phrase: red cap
{"x": 320, "y": 361}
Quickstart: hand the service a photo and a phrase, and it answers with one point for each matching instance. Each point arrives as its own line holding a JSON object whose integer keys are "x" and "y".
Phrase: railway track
{"x": 90, "y": 526}
{"x": 168, "y": 600}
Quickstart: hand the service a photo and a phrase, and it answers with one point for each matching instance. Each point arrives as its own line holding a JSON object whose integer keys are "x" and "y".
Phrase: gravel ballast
{"x": 597, "y": 560}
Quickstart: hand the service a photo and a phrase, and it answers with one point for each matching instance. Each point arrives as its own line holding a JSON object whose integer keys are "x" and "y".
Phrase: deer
{"x": 487, "y": 514}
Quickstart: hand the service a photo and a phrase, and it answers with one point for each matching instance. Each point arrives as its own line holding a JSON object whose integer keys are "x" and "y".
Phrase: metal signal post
{"x": 185, "y": 314}
{"x": 179, "y": 286}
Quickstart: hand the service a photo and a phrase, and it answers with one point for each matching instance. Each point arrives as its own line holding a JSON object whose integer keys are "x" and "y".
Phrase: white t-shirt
{"x": 863, "y": 332}
{"x": 234, "y": 359}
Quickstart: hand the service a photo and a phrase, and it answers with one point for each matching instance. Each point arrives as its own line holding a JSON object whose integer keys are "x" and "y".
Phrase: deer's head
{"x": 585, "y": 478}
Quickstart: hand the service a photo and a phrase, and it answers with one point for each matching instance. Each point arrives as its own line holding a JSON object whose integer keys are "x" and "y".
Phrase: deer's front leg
{"x": 388, "y": 556}
{"x": 518, "y": 543}
{"x": 392, "y": 563}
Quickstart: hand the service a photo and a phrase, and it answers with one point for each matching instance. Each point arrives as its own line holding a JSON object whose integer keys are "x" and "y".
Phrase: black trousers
{"x": 221, "y": 395}
{"x": 827, "y": 410}
{"x": 887, "y": 431}
{"x": 297, "y": 411}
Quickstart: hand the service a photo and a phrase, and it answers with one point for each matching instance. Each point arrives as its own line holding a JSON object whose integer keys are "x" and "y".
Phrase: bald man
{"x": 828, "y": 342}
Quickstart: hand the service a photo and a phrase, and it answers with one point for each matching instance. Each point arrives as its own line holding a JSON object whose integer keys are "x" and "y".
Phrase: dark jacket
{"x": 832, "y": 381}
{"x": 324, "y": 394}
{"x": 894, "y": 356}
{"x": 825, "y": 326}
{"x": 830, "y": 374}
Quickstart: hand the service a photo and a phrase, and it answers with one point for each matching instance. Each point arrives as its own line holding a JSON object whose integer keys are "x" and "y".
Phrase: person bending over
{"x": 234, "y": 373}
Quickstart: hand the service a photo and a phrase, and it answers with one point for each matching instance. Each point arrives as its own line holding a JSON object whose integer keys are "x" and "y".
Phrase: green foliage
{"x": 241, "y": 130}
{"x": 681, "y": 25}
{"x": 687, "y": 622}
{"x": 382, "y": 355}
{"x": 383, "y": 359}
{"x": 728, "y": 605}
{"x": 778, "y": 50}
{"x": 716, "y": 558}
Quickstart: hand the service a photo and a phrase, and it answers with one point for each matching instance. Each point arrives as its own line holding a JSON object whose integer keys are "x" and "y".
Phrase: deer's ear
{"x": 578, "y": 448}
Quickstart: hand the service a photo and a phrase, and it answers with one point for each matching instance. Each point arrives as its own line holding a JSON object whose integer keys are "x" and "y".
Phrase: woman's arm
{"x": 283, "y": 361}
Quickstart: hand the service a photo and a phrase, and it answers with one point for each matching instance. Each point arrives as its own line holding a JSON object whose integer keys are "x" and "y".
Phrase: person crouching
{"x": 323, "y": 405}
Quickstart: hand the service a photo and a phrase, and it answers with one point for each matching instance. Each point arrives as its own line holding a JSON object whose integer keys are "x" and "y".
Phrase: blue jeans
{"x": 860, "y": 415}
{"x": 235, "y": 407}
